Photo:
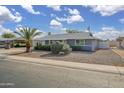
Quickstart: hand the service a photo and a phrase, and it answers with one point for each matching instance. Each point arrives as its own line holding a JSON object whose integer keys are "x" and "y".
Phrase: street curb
{"x": 73, "y": 65}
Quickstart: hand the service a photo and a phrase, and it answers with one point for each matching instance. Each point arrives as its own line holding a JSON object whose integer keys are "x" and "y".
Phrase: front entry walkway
{"x": 120, "y": 52}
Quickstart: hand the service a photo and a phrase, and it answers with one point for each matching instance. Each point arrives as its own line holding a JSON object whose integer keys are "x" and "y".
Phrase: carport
{"x": 6, "y": 43}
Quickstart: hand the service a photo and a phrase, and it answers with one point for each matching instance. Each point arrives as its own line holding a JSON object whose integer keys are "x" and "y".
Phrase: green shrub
{"x": 19, "y": 45}
{"x": 16, "y": 45}
{"x": 76, "y": 48}
{"x": 39, "y": 46}
{"x": 66, "y": 48}
{"x": 58, "y": 47}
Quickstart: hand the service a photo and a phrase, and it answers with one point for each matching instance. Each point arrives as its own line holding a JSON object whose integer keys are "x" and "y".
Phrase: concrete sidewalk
{"x": 73, "y": 65}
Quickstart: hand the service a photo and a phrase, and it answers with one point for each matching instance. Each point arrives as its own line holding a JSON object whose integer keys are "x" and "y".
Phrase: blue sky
{"x": 105, "y": 21}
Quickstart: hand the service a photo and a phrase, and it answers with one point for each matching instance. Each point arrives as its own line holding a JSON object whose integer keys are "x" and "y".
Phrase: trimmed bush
{"x": 39, "y": 46}
{"x": 55, "y": 48}
{"x": 76, "y": 48}
{"x": 66, "y": 48}
{"x": 58, "y": 47}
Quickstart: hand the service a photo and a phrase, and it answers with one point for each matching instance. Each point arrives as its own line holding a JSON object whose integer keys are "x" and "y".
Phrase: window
{"x": 47, "y": 42}
{"x": 51, "y": 41}
{"x": 88, "y": 42}
{"x": 2, "y": 42}
{"x": 79, "y": 42}
{"x": 71, "y": 42}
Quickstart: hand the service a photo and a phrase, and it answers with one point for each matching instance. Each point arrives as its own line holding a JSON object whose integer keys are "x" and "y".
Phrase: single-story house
{"x": 120, "y": 42}
{"x": 11, "y": 42}
{"x": 84, "y": 39}
{"x": 6, "y": 42}
{"x": 113, "y": 43}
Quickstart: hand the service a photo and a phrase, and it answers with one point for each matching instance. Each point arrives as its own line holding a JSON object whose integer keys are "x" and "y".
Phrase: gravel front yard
{"x": 105, "y": 57}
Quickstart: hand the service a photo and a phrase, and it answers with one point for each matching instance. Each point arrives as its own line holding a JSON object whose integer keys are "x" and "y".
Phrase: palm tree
{"x": 8, "y": 35}
{"x": 28, "y": 34}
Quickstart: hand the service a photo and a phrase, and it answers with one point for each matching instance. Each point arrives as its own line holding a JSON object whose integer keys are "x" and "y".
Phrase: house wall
{"x": 113, "y": 43}
{"x": 34, "y": 43}
{"x": 2, "y": 44}
{"x": 122, "y": 44}
{"x": 103, "y": 44}
{"x": 88, "y": 45}
{"x": 95, "y": 44}
{"x": 71, "y": 42}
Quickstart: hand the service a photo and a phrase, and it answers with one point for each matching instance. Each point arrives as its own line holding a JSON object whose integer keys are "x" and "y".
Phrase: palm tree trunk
{"x": 28, "y": 47}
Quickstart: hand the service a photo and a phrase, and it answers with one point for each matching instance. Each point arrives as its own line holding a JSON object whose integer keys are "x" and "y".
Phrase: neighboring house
{"x": 19, "y": 42}
{"x": 121, "y": 42}
{"x": 6, "y": 42}
{"x": 11, "y": 42}
{"x": 113, "y": 43}
{"x": 84, "y": 39}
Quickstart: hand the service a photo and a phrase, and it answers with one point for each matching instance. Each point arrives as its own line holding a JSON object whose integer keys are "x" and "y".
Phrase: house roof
{"x": 82, "y": 35}
{"x": 10, "y": 39}
{"x": 19, "y": 38}
{"x": 6, "y": 39}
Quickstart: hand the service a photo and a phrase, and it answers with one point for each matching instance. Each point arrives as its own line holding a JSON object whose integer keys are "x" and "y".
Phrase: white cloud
{"x": 4, "y": 30}
{"x": 30, "y": 9}
{"x": 108, "y": 33}
{"x": 53, "y": 15}
{"x": 122, "y": 20}
{"x": 71, "y": 19}
{"x": 18, "y": 17}
{"x": 106, "y": 10}
{"x": 55, "y": 7}
{"x": 62, "y": 19}
{"x": 106, "y": 28}
{"x": 18, "y": 26}
{"x": 73, "y": 11}
{"x": 75, "y": 18}
{"x": 7, "y": 15}
{"x": 55, "y": 23}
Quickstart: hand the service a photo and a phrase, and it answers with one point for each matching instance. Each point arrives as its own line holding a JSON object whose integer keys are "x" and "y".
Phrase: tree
{"x": 8, "y": 44}
{"x": 8, "y": 35}
{"x": 28, "y": 34}
{"x": 72, "y": 31}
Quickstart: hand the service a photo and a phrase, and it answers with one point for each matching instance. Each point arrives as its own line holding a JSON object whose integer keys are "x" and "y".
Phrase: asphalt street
{"x": 28, "y": 75}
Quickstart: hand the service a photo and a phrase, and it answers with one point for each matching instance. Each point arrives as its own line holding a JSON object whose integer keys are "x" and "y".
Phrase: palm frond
{"x": 27, "y": 33}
